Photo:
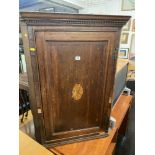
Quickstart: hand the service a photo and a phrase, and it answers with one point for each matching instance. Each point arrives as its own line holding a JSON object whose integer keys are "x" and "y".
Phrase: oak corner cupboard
{"x": 71, "y": 63}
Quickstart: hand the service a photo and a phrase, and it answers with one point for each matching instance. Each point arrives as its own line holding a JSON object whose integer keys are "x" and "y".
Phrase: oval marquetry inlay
{"x": 77, "y": 92}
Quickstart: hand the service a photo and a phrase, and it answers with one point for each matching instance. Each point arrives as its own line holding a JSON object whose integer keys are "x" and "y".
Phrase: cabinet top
{"x": 38, "y": 18}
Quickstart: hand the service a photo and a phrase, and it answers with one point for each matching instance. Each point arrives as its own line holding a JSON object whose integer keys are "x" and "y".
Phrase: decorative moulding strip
{"x": 75, "y": 22}
{"x": 70, "y": 19}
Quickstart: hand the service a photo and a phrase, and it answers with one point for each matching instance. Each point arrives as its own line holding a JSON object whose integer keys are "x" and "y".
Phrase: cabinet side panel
{"x": 30, "y": 72}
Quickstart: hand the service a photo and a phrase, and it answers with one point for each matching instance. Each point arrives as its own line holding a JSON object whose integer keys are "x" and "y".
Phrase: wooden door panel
{"x": 67, "y": 73}
{"x": 79, "y": 36}
{"x": 72, "y": 82}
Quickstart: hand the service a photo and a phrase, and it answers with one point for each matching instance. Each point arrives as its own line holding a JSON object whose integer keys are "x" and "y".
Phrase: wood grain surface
{"x": 51, "y": 44}
{"x": 60, "y": 72}
{"x": 100, "y": 146}
{"x": 27, "y": 146}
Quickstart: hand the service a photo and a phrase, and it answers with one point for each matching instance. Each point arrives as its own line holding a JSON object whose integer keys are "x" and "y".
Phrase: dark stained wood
{"x": 102, "y": 146}
{"x": 59, "y": 19}
{"x": 71, "y": 98}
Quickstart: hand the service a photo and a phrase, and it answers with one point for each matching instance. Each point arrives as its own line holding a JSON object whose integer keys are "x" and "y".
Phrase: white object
{"x": 112, "y": 122}
{"x": 127, "y": 90}
{"x": 77, "y": 58}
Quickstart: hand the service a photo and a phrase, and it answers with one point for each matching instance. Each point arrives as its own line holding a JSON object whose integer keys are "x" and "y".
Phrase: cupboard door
{"x": 72, "y": 69}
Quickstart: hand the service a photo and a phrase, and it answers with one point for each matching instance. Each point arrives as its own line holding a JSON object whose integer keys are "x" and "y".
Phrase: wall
{"x": 47, "y": 4}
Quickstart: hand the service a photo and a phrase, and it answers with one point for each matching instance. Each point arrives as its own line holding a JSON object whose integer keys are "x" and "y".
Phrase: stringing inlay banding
{"x": 77, "y": 92}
